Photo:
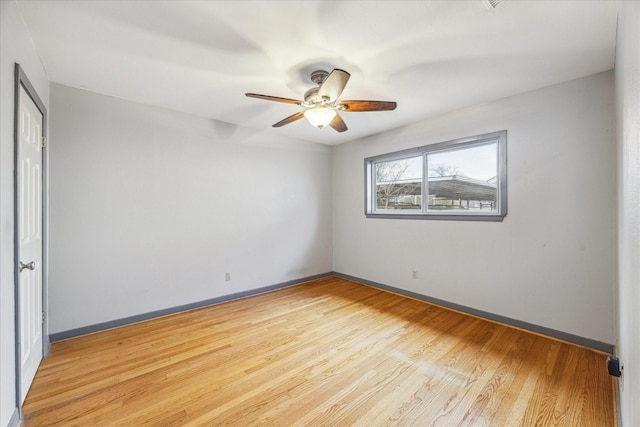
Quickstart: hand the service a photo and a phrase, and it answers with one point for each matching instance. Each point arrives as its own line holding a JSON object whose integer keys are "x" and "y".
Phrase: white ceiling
{"x": 431, "y": 57}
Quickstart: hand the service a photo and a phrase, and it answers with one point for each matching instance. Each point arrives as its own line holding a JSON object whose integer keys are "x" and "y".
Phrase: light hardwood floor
{"x": 330, "y": 352}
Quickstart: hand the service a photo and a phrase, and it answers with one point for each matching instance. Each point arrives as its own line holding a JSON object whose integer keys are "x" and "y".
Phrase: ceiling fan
{"x": 321, "y": 105}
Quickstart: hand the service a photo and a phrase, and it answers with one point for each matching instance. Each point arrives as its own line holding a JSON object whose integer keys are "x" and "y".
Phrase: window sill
{"x": 442, "y": 217}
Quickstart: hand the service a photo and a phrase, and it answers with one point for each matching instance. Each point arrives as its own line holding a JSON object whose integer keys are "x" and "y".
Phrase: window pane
{"x": 398, "y": 184}
{"x": 464, "y": 180}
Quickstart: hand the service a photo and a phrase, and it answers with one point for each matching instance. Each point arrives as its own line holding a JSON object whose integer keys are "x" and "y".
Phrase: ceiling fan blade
{"x": 338, "y": 124}
{"x": 352, "y": 106}
{"x": 274, "y": 98}
{"x": 292, "y": 118}
{"x": 334, "y": 84}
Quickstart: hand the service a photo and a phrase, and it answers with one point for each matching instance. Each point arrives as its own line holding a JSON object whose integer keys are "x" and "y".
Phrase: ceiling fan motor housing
{"x": 311, "y": 96}
{"x": 319, "y": 76}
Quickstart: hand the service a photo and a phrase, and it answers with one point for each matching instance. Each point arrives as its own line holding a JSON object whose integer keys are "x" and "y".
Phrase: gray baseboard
{"x": 59, "y": 336}
{"x": 564, "y": 336}
{"x": 14, "y": 421}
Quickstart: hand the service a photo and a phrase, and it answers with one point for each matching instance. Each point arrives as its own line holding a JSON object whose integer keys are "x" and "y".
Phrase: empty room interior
{"x": 320, "y": 213}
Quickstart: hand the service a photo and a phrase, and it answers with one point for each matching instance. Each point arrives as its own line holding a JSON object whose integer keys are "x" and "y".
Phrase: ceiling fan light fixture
{"x": 320, "y": 116}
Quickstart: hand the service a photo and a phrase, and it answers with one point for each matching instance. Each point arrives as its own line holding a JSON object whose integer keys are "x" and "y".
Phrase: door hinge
{"x": 43, "y": 317}
{"x": 44, "y": 142}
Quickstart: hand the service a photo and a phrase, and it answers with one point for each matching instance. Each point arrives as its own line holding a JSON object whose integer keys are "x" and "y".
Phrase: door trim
{"x": 21, "y": 80}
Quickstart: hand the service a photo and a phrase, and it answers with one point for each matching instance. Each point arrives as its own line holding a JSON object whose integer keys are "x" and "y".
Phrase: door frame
{"x": 21, "y": 80}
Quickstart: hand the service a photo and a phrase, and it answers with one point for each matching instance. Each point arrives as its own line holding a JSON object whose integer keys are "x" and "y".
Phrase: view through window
{"x": 461, "y": 179}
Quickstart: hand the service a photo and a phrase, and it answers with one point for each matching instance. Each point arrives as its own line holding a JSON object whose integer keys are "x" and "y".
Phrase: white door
{"x": 29, "y": 223}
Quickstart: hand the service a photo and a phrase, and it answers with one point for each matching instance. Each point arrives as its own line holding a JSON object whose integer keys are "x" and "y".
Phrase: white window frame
{"x": 498, "y": 214}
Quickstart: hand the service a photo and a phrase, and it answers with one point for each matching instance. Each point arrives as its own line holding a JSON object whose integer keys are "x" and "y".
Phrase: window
{"x": 464, "y": 179}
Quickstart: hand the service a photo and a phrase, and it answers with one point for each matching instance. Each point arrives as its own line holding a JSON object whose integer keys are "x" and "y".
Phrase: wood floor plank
{"x": 327, "y": 352}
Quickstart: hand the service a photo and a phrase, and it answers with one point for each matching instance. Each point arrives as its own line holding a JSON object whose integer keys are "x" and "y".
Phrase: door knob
{"x": 30, "y": 266}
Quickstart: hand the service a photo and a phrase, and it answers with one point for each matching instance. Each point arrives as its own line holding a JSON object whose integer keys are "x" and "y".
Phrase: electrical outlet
{"x": 227, "y": 277}
{"x": 414, "y": 274}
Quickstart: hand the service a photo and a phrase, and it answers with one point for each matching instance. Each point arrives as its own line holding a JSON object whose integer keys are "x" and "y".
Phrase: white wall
{"x": 551, "y": 262}
{"x": 628, "y": 135}
{"x": 15, "y": 46}
{"x": 150, "y": 208}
